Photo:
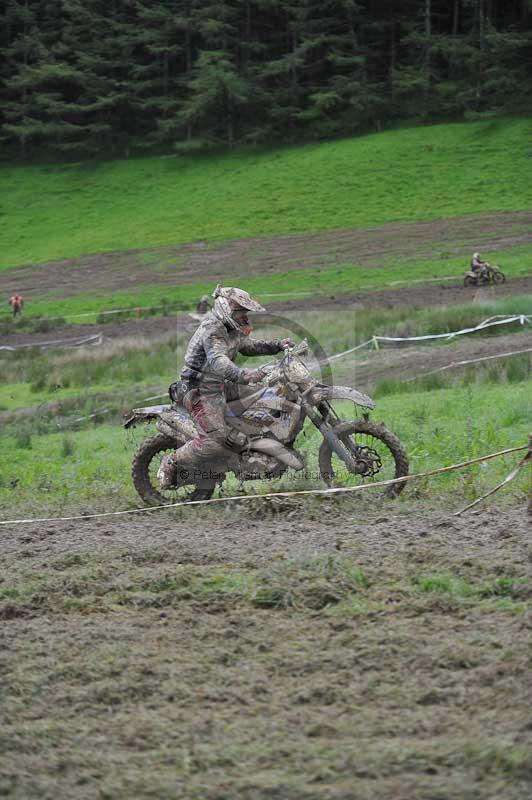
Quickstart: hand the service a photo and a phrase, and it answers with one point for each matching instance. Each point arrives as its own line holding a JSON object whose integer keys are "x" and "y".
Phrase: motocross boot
{"x": 167, "y": 472}
{"x": 196, "y": 456}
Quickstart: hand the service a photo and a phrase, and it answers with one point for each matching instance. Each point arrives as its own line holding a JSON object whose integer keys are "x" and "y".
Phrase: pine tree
{"x": 216, "y": 93}
{"x": 109, "y": 76}
{"x": 31, "y": 80}
{"x": 217, "y": 96}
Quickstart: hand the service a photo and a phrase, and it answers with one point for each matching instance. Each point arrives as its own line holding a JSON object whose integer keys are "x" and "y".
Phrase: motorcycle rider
{"x": 479, "y": 267}
{"x": 209, "y": 373}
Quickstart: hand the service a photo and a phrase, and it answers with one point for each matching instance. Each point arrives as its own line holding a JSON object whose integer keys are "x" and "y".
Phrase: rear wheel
{"x": 469, "y": 281}
{"x": 371, "y": 443}
{"x": 144, "y": 472}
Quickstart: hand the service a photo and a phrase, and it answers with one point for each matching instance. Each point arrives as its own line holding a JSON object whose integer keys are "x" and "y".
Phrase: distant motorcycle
{"x": 490, "y": 275}
{"x": 272, "y": 416}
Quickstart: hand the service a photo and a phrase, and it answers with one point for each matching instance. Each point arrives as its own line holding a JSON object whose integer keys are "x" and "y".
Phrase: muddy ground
{"x": 407, "y": 363}
{"x": 202, "y": 261}
{"x": 135, "y": 665}
{"x": 368, "y": 650}
{"x": 418, "y": 296}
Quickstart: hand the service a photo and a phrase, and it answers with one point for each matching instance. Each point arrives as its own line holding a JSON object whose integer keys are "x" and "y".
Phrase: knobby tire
{"x": 140, "y": 471}
{"x": 379, "y": 431}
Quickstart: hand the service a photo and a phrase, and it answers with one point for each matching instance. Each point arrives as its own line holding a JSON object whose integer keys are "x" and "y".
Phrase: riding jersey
{"x": 209, "y": 358}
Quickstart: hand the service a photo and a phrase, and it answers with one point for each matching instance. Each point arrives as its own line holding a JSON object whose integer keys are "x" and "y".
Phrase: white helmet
{"x": 476, "y": 255}
{"x": 230, "y": 299}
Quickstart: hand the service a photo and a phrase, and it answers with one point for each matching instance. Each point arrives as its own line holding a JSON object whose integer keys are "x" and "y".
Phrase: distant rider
{"x": 478, "y": 266}
{"x": 209, "y": 373}
{"x": 203, "y": 305}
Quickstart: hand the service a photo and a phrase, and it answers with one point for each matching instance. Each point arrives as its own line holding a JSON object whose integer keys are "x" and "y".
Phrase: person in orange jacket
{"x": 17, "y": 304}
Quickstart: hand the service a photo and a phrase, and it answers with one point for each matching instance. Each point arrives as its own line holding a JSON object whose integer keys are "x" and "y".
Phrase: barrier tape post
{"x": 513, "y": 474}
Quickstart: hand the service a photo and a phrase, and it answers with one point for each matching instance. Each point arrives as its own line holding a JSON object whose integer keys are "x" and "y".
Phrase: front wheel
{"x": 370, "y": 443}
{"x": 144, "y": 471}
{"x": 498, "y": 276}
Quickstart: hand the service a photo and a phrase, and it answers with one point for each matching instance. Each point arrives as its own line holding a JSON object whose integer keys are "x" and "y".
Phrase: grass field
{"x": 320, "y": 648}
{"x": 60, "y": 211}
{"x": 281, "y": 285}
{"x": 52, "y": 462}
{"x": 89, "y": 469}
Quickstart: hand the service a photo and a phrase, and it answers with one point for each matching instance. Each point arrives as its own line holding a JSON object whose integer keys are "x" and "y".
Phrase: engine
{"x": 255, "y": 466}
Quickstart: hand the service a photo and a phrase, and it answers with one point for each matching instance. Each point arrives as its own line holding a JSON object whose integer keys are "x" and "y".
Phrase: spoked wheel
{"x": 498, "y": 276}
{"x": 144, "y": 471}
{"x": 469, "y": 281}
{"x": 378, "y": 451}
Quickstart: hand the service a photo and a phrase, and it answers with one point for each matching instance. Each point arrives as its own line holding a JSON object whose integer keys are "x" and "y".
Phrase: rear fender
{"x": 170, "y": 420}
{"x": 179, "y": 421}
{"x": 146, "y": 414}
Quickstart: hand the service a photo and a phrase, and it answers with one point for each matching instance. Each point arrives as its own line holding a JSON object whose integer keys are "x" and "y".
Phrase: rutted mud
{"x": 207, "y": 262}
{"x": 127, "y": 673}
{"x": 329, "y": 650}
{"x": 417, "y": 296}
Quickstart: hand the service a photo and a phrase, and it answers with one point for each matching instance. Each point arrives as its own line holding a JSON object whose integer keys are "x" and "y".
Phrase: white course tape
{"x": 131, "y": 310}
{"x": 499, "y": 319}
{"x": 454, "y": 364}
{"x": 241, "y": 498}
{"x": 513, "y": 474}
{"x": 351, "y": 350}
{"x": 325, "y": 361}
{"x": 521, "y": 318}
{"x": 96, "y": 339}
{"x": 423, "y": 280}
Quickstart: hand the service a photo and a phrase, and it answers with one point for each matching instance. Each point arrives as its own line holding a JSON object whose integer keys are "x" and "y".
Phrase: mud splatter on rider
{"x": 210, "y": 373}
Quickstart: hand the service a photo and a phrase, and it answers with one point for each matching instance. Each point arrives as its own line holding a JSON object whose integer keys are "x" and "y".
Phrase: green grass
{"x": 60, "y": 211}
{"x": 134, "y": 369}
{"x": 332, "y": 583}
{"x": 437, "y": 427}
{"x": 332, "y": 282}
{"x": 456, "y": 586}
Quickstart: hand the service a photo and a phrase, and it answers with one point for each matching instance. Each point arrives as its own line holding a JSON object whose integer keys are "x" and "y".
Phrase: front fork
{"x": 330, "y": 436}
{"x": 364, "y": 461}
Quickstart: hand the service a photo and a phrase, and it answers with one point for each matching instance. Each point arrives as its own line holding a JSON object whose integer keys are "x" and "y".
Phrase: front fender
{"x": 343, "y": 393}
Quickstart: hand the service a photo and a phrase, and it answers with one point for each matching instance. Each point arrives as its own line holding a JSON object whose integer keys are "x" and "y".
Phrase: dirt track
{"x": 417, "y": 296}
{"x": 201, "y": 261}
{"x": 332, "y": 650}
{"x": 409, "y": 362}
{"x": 256, "y": 537}
{"x": 129, "y": 674}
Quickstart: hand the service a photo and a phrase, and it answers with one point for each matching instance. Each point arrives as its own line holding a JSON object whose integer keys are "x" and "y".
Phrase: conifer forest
{"x": 114, "y": 77}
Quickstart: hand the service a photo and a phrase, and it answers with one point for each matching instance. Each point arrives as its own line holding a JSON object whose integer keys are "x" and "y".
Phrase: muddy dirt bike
{"x": 272, "y": 416}
{"x": 492, "y": 274}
